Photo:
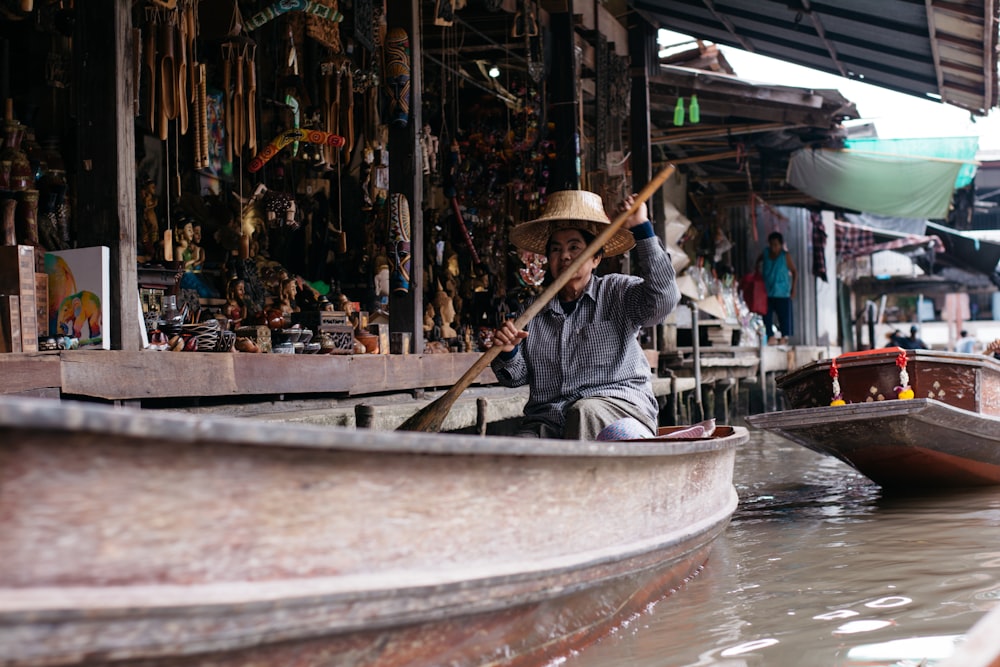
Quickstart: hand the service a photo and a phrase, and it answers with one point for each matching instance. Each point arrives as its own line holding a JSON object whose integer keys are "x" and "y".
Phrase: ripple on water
{"x": 819, "y": 568}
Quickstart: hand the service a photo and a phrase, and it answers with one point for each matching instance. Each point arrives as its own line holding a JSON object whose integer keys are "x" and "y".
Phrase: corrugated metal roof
{"x": 936, "y": 49}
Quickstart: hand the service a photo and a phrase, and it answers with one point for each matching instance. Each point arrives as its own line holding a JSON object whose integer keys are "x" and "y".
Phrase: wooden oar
{"x": 430, "y": 418}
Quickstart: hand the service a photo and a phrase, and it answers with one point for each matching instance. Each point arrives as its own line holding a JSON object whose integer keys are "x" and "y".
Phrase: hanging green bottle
{"x": 679, "y": 112}
{"x": 695, "y": 110}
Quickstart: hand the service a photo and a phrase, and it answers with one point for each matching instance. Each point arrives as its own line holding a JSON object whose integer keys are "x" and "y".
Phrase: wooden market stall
{"x": 350, "y": 170}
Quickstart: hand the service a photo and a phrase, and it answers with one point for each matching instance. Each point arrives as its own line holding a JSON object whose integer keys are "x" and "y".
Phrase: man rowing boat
{"x": 582, "y": 360}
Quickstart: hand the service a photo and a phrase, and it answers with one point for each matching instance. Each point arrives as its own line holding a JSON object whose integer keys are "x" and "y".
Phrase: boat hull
{"x": 911, "y": 445}
{"x": 176, "y": 540}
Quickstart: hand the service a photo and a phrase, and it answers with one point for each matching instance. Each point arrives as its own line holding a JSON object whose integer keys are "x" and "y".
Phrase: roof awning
{"x": 946, "y": 254}
{"x": 936, "y": 49}
{"x": 978, "y": 254}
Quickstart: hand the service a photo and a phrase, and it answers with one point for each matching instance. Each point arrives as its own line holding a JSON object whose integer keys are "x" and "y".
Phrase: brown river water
{"x": 819, "y": 568}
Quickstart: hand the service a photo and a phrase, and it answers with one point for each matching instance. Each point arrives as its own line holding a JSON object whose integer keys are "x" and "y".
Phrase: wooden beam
{"x": 406, "y": 310}
{"x": 721, "y": 18}
{"x": 711, "y": 157}
{"x": 935, "y": 52}
{"x": 989, "y": 54}
{"x": 683, "y": 136}
{"x": 737, "y": 178}
{"x": 118, "y": 375}
{"x": 966, "y": 11}
{"x": 775, "y": 199}
{"x": 821, "y": 33}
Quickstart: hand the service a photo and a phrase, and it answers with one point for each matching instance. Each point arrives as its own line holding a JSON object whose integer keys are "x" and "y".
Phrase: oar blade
{"x": 428, "y": 419}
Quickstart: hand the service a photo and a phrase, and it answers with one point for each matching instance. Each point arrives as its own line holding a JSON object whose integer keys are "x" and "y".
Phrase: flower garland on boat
{"x": 838, "y": 397}
{"x": 904, "y": 391}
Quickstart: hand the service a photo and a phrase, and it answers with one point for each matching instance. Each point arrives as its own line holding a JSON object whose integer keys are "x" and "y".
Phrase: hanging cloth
{"x": 899, "y": 186}
{"x": 818, "y": 246}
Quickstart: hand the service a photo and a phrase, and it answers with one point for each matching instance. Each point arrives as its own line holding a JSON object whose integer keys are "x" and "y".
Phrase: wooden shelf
{"x": 120, "y": 375}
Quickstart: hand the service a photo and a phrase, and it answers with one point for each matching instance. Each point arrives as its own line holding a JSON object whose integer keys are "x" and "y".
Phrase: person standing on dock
{"x": 779, "y": 281}
{"x": 915, "y": 341}
{"x": 582, "y": 360}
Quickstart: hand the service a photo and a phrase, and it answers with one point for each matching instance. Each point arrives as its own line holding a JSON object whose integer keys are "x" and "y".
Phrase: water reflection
{"x": 819, "y": 568}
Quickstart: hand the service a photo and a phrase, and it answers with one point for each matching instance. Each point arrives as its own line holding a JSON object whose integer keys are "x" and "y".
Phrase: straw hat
{"x": 570, "y": 209}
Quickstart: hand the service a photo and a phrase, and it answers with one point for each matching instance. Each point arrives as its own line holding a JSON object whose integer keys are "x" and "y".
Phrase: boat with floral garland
{"x": 140, "y": 537}
{"x": 907, "y": 419}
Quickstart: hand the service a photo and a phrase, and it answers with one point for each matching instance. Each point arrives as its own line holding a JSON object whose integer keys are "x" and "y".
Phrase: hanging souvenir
{"x": 200, "y": 111}
{"x": 149, "y": 65}
{"x": 397, "y": 75}
{"x": 280, "y": 7}
{"x": 444, "y": 13}
{"x": 279, "y": 208}
{"x": 532, "y": 273}
{"x": 338, "y": 99}
{"x": 288, "y": 137}
{"x": 219, "y": 19}
{"x": 428, "y": 151}
{"x": 167, "y": 70}
{"x": 324, "y": 31}
{"x": 399, "y": 242}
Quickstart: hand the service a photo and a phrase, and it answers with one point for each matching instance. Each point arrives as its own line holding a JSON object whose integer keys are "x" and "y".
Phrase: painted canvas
{"x": 79, "y": 288}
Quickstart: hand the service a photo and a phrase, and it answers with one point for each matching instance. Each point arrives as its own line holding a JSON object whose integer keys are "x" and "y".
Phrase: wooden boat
{"x": 949, "y": 435}
{"x": 910, "y": 445}
{"x": 967, "y": 381}
{"x": 167, "y": 539}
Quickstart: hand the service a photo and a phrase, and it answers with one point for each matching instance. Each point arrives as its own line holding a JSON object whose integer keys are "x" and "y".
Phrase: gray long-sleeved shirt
{"x": 594, "y": 351}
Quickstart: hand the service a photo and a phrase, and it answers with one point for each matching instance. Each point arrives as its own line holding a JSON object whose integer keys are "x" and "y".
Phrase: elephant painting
{"x": 80, "y": 316}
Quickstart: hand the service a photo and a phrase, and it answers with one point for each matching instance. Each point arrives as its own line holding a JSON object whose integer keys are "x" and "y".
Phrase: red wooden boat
{"x": 967, "y": 381}
{"x": 136, "y": 537}
{"x": 948, "y": 435}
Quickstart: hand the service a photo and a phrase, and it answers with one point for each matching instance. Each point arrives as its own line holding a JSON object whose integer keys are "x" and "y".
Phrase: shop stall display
{"x": 263, "y": 134}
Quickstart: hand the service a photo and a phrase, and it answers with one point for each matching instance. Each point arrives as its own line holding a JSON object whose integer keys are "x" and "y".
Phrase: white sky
{"x": 895, "y": 115}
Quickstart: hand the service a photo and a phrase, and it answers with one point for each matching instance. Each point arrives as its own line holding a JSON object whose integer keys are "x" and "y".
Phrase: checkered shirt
{"x": 595, "y": 350}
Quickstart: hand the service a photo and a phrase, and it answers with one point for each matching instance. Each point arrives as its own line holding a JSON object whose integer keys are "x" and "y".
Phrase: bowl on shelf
{"x": 226, "y": 340}
{"x": 206, "y": 334}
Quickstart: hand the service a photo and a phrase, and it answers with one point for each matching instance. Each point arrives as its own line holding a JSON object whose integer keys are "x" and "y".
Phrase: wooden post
{"x": 481, "y": 415}
{"x": 106, "y": 193}
{"x": 642, "y": 54}
{"x": 563, "y": 82}
{"x": 406, "y": 311}
{"x": 364, "y": 415}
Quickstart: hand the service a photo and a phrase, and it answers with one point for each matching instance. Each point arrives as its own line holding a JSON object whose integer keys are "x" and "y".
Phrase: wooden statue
{"x": 289, "y": 290}
{"x": 150, "y": 223}
{"x": 445, "y": 308}
{"x": 235, "y": 309}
